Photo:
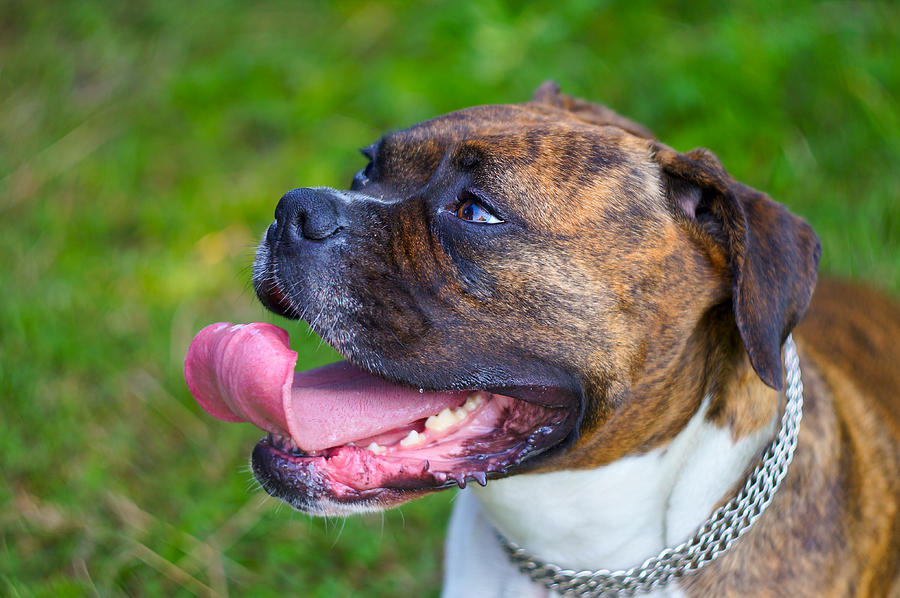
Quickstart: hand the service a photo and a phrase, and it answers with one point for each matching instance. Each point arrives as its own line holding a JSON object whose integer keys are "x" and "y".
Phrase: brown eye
{"x": 472, "y": 211}
{"x": 361, "y": 178}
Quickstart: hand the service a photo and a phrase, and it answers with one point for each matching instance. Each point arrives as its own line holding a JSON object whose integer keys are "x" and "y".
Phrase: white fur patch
{"x": 613, "y": 517}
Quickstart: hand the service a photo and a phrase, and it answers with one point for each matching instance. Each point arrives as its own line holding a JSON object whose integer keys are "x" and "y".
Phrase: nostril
{"x": 311, "y": 214}
{"x": 318, "y": 219}
{"x": 317, "y": 226}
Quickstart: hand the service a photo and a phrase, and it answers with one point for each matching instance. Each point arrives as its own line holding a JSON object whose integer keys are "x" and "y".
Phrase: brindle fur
{"x": 643, "y": 279}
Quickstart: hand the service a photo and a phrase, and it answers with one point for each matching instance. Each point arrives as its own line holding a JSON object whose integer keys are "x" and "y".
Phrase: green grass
{"x": 143, "y": 149}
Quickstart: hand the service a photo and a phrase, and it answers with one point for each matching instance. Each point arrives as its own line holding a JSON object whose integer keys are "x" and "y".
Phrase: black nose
{"x": 312, "y": 214}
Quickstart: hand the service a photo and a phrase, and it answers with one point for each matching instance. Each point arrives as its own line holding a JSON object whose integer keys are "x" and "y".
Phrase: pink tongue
{"x": 245, "y": 372}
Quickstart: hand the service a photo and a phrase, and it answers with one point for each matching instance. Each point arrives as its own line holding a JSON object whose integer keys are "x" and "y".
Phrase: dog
{"x": 547, "y": 301}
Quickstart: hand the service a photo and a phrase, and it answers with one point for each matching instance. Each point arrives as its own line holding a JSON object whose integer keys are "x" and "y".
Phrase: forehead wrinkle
{"x": 548, "y": 190}
{"x": 503, "y": 121}
{"x": 470, "y": 123}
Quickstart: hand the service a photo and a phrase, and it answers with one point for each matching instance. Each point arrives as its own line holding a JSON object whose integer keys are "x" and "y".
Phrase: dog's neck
{"x": 618, "y": 515}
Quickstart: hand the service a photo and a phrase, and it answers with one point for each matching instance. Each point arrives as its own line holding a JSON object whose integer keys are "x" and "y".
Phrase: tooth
{"x": 442, "y": 420}
{"x": 411, "y": 439}
{"x": 475, "y": 400}
{"x": 376, "y": 448}
{"x": 447, "y": 418}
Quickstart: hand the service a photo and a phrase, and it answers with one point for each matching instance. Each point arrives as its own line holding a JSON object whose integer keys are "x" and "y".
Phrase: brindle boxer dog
{"x": 545, "y": 290}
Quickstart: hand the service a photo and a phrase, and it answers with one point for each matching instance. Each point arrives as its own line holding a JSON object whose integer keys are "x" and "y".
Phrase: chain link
{"x": 722, "y": 529}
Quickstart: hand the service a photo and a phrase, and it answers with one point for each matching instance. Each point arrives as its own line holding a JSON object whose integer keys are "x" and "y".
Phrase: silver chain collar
{"x": 727, "y": 523}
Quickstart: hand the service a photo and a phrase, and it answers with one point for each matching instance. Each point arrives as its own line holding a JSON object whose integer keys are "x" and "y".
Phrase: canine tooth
{"x": 376, "y": 448}
{"x": 411, "y": 439}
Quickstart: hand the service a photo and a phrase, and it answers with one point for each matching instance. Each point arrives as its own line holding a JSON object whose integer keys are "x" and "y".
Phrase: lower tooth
{"x": 442, "y": 420}
{"x": 411, "y": 439}
{"x": 376, "y": 448}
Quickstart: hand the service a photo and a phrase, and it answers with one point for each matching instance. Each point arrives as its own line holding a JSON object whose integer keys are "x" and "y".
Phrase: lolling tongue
{"x": 245, "y": 372}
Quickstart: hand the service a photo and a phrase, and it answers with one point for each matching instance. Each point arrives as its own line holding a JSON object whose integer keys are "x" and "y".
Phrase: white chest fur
{"x": 613, "y": 517}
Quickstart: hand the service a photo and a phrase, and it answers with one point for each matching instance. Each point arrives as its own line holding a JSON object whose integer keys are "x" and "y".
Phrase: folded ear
{"x": 772, "y": 254}
{"x": 548, "y": 94}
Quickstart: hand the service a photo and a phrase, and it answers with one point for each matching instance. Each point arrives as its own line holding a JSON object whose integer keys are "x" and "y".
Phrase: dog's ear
{"x": 772, "y": 254}
{"x": 548, "y": 93}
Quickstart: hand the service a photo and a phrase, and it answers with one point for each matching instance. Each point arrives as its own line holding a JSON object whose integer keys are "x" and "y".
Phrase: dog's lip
{"x": 273, "y": 298}
{"x": 540, "y": 391}
{"x": 297, "y": 482}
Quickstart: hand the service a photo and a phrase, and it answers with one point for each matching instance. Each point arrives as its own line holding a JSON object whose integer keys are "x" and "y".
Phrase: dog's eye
{"x": 361, "y": 178}
{"x": 471, "y": 210}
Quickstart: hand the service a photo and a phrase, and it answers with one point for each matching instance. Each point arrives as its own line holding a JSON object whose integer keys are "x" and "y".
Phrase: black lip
{"x": 293, "y": 480}
{"x": 270, "y": 293}
{"x": 546, "y": 395}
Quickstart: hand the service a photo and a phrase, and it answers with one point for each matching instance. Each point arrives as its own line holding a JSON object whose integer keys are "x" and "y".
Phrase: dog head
{"x": 551, "y": 253}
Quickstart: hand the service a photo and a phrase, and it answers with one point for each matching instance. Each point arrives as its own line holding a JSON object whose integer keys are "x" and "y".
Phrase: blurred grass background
{"x": 143, "y": 148}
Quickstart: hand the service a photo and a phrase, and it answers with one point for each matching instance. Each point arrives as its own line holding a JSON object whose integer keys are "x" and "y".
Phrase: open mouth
{"x": 341, "y": 436}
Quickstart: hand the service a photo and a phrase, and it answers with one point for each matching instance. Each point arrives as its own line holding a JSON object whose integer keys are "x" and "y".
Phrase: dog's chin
{"x": 495, "y": 428}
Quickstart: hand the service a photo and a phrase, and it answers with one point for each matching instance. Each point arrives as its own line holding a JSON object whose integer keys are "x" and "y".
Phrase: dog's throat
{"x": 713, "y": 538}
